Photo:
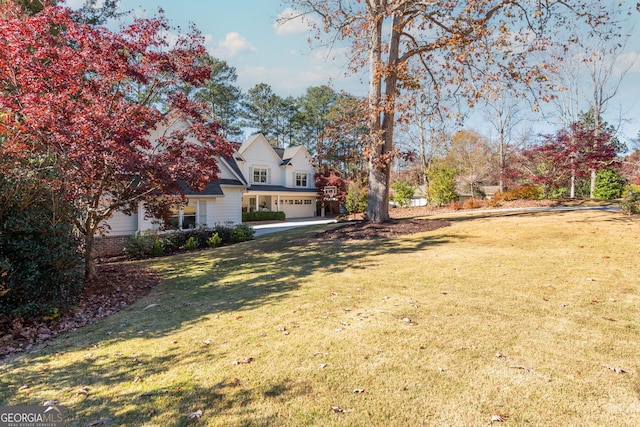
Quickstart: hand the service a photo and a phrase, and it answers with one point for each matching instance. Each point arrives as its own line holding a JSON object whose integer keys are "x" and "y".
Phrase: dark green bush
{"x": 630, "y": 204}
{"x": 142, "y": 244}
{"x": 40, "y": 255}
{"x": 149, "y": 243}
{"x": 263, "y": 216}
{"x": 242, "y": 233}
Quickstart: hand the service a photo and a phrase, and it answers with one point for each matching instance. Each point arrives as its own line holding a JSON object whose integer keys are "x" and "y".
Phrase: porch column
{"x": 278, "y": 201}
{"x": 257, "y": 203}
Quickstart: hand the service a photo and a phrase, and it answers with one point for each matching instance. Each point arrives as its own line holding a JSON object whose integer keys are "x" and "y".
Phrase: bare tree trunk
{"x": 89, "y": 262}
{"x": 381, "y": 155}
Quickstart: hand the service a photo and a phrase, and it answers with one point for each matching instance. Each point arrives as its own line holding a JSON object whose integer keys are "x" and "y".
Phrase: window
{"x": 301, "y": 179}
{"x": 307, "y": 202}
{"x": 182, "y": 218}
{"x": 298, "y": 202}
{"x": 260, "y": 175}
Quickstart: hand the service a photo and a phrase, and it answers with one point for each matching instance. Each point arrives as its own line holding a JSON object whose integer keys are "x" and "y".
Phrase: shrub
{"x": 403, "y": 192}
{"x": 472, "y": 204}
{"x": 609, "y": 184}
{"x": 158, "y": 247}
{"x": 263, "y": 216}
{"x": 40, "y": 258}
{"x": 225, "y": 233}
{"x": 630, "y": 204}
{"x": 214, "y": 241}
{"x": 242, "y": 233}
{"x": 191, "y": 243}
{"x": 141, "y": 244}
{"x": 494, "y": 202}
{"x": 442, "y": 184}
{"x": 356, "y": 199}
{"x": 455, "y": 205}
{"x": 527, "y": 192}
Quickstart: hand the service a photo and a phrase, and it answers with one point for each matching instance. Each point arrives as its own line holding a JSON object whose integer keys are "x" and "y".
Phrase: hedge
{"x": 263, "y": 216}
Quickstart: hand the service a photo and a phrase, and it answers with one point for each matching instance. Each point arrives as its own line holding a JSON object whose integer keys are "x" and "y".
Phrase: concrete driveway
{"x": 274, "y": 227}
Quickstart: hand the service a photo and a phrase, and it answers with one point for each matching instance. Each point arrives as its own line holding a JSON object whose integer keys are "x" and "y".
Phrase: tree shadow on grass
{"x": 144, "y": 400}
{"x": 195, "y": 287}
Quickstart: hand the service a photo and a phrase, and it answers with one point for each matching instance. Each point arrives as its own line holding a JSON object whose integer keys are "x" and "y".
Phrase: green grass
{"x": 556, "y": 293}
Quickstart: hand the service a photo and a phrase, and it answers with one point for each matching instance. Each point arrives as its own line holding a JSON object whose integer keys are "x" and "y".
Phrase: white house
{"x": 281, "y": 180}
{"x": 257, "y": 176}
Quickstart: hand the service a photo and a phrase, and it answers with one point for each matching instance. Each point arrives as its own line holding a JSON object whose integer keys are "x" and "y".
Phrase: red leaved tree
{"x": 567, "y": 155}
{"x": 86, "y": 99}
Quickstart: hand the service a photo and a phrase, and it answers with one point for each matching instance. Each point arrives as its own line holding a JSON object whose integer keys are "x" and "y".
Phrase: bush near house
{"x": 150, "y": 243}
{"x": 40, "y": 257}
{"x": 263, "y": 216}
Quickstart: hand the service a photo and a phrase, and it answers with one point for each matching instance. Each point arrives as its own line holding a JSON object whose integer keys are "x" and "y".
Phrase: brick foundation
{"x": 108, "y": 246}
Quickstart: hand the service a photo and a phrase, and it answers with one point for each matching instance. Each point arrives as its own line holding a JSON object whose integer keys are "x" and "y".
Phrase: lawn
{"x": 521, "y": 319}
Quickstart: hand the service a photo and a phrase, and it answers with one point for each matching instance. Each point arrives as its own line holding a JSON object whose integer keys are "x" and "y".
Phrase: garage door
{"x": 300, "y": 207}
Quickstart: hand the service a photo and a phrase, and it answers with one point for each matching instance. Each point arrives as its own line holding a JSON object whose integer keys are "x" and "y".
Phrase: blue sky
{"x": 245, "y": 34}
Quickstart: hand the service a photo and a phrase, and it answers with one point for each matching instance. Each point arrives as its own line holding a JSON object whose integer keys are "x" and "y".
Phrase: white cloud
{"x": 291, "y": 21}
{"x": 628, "y": 62}
{"x": 232, "y": 45}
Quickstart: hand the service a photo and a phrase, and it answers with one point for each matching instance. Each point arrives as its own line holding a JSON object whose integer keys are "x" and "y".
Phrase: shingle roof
{"x": 212, "y": 189}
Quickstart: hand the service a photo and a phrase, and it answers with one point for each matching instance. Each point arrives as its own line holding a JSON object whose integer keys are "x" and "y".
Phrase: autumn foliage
{"x": 87, "y": 98}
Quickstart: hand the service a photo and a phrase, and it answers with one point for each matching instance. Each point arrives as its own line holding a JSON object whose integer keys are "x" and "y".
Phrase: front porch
{"x": 295, "y": 204}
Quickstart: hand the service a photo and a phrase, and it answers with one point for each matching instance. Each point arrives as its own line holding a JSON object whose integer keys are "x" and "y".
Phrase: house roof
{"x": 284, "y": 154}
{"x": 233, "y": 165}
{"x": 289, "y": 153}
{"x": 212, "y": 189}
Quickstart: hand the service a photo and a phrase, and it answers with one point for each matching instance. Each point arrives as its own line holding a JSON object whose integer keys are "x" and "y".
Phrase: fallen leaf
{"x": 196, "y": 414}
{"x": 152, "y": 412}
{"x": 358, "y": 390}
{"x": 409, "y": 321}
{"x": 243, "y": 361}
{"x": 136, "y": 379}
{"x": 234, "y": 381}
{"x": 523, "y": 367}
{"x": 50, "y": 403}
{"x": 23, "y": 387}
{"x": 323, "y": 365}
{"x": 147, "y": 394}
{"x": 83, "y": 390}
{"x": 100, "y": 422}
{"x": 207, "y": 341}
{"x": 338, "y": 410}
{"x": 610, "y": 319}
{"x": 499, "y": 418}
{"x": 150, "y": 306}
{"x": 499, "y": 355}
{"x": 617, "y": 369}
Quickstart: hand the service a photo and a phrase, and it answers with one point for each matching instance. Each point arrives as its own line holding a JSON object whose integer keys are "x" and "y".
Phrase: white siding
{"x": 260, "y": 154}
{"x": 229, "y": 207}
{"x": 122, "y": 225}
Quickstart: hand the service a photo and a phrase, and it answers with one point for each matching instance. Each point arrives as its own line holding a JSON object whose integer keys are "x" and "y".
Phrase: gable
{"x": 257, "y": 148}
{"x": 298, "y": 157}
